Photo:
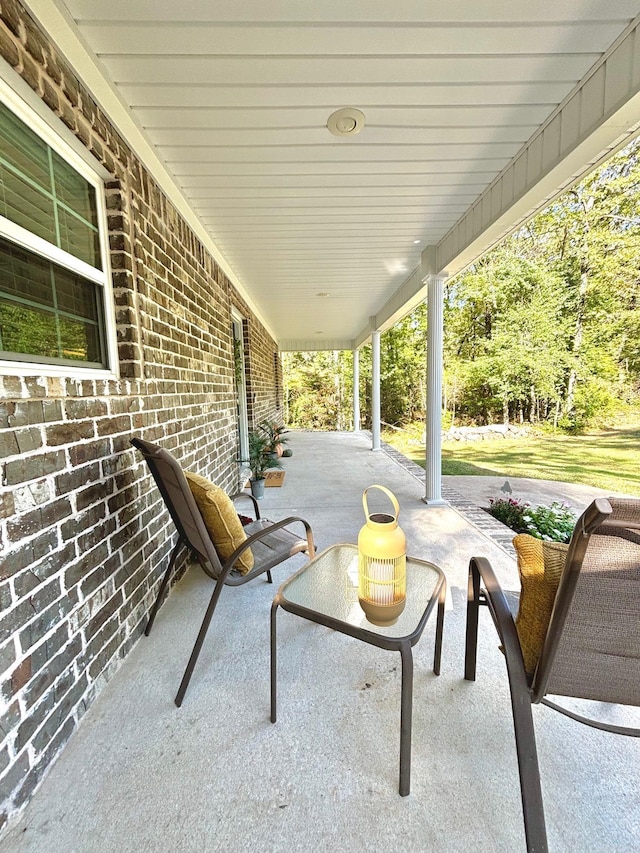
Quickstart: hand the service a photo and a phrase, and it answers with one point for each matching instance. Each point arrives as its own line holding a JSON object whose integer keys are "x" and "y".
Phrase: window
{"x": 53, "y": 264}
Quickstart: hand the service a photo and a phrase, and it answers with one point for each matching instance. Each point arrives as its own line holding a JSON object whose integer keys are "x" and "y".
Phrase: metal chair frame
{"x": 602, "y": 517}
{"x": 194, "y": 537}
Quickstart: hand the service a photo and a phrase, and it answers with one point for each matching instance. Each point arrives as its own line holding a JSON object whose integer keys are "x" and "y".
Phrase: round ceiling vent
{"x": 346, "y": 122}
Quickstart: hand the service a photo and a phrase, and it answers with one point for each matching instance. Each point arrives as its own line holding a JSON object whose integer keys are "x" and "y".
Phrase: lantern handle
{"x": 388, "y": 493}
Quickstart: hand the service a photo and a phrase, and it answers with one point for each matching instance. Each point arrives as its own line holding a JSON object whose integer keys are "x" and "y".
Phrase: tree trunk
{"x": 534, "y": 405}
{"x": 337, "y": 373}
{"x": 577, "y": 339}
{"x": 587, "y": 205}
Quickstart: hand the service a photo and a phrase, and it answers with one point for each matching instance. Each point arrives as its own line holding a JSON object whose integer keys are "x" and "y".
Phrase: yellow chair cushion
{"x": 540, "y": 565}
{"x": 221, "y": 520}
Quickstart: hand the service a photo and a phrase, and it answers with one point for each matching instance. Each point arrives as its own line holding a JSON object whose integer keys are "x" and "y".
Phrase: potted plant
{"x": 275, "y": 435}
{"x": 259, "y": 461}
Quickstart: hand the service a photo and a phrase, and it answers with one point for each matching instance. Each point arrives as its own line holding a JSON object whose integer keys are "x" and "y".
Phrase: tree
{"x": 318, "y": 389}
{"x": 506, "y": 321}
{"x": 403, "y": 369}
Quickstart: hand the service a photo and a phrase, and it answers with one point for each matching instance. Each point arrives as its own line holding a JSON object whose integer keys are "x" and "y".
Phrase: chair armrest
{"x": 229, "y": 563}
{"x": 480, "y": 569}
{"x": 256, "y": 508}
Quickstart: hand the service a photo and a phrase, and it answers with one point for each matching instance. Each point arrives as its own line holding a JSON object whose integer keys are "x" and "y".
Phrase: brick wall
{"x": 82, "y": 529}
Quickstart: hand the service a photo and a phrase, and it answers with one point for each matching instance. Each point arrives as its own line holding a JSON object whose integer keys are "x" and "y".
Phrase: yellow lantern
{"x": 382, "y": 557}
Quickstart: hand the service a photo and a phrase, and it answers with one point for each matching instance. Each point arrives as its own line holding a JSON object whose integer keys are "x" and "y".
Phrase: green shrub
{"x": 509, "y": 511}
{"x": 553, "y": 523}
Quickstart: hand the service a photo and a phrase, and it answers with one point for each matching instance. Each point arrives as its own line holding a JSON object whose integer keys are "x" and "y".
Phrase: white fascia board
{"x": 55, "y": 19}
{"x": 407, "y": 297}
{"x": 599, "y": 117}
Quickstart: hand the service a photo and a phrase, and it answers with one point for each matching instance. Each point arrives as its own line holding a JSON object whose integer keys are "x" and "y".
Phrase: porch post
{"x": 375, "y": 390}
{"x": 356, "y": 390}
{"x": 433, "y": 474}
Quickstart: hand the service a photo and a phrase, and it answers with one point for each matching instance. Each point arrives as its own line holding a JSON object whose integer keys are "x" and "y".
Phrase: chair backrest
{"x": 175, "y": 491}
{"x": 592, "y": 648}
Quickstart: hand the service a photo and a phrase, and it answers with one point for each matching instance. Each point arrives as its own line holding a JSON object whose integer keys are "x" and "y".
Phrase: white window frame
{"x": 48, "y": 127}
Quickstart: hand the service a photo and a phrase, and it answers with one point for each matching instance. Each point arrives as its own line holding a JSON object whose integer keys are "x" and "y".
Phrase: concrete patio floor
{"x": 142, "y": 775}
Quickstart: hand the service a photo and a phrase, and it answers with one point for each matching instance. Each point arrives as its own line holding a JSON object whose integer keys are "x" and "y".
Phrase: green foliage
{"x": 238, "y": 362}
{"x": 506, "y": 331}
{"x": 318, "y": 389}
{"x": 260, "y": 457}
{"x": 552, "y": 523}
{"x": 274, "y": 433}
{"x": 546, "y": 327}
{"x": 509, "y": 511}
{"x": 402, "y": 369}
{"x": 595, "y": 404}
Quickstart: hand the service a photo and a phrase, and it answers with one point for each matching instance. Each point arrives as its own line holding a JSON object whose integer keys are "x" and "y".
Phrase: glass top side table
{"x": 325, "y": 591}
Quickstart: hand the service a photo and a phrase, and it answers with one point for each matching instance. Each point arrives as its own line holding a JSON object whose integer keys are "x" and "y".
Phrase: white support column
{"x": 433, "y": 476}
{"x": 375, "y": 390}
{"x": 356, "y": 390}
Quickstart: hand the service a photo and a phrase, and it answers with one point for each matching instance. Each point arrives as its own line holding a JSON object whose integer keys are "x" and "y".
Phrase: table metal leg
{"x": 439, "y": 628}
{"x": 406, "y": 711}
{"x": 274, "y": 608}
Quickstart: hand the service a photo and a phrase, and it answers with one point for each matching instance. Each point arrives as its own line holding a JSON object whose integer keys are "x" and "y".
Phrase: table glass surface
{"x": 329, "y": 585}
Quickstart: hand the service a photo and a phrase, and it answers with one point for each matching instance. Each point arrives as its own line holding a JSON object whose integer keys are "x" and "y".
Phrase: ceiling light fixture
{"x": 346, "y": 122}
{"x": 323, "y": 294}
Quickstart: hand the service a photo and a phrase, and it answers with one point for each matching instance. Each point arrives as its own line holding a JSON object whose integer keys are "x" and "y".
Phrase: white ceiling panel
{"x": 391, "y": 40}
{"x": 240, "y": 196}
{"x": 344, "y": 152}
{"x": 353, "y": 168}
{"x": 387, "y": 136}
{"x": 270, "y": 118}
{"x": 362, "y": 11}
{"x": 232, "y": 99}
{"x": 272, "y": 71}
{"x": 423, "y": 93}
{"x": 203, "y": 185}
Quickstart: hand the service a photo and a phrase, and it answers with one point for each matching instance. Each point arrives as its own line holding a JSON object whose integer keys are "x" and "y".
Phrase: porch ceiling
{"x": 324, "y": 233}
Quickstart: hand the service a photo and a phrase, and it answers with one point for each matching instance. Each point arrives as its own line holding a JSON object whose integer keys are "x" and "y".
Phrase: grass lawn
{"x": 607, "y": 460}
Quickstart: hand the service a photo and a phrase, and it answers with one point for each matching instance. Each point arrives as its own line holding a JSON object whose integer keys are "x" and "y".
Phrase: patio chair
{"x": 591, "y": 647}
{"x": 270, "y": 543}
